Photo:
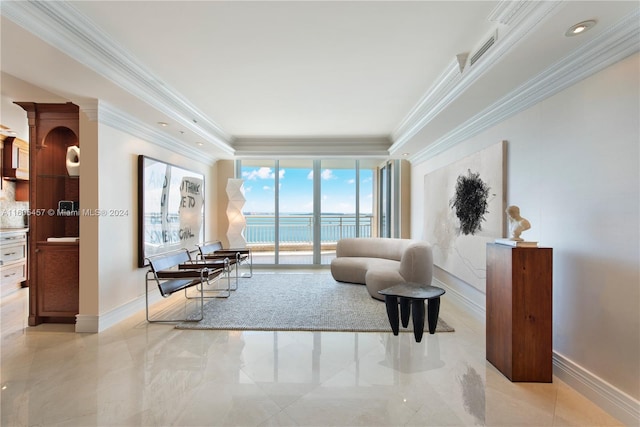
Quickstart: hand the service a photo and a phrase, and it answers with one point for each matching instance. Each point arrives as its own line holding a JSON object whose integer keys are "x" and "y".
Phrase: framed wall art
{"x": 170, "y": 208}
{"x": 464, "y": 210}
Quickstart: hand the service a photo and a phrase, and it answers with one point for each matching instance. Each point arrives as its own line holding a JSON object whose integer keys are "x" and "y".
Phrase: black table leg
{"x": 405, "y": 311}
{"x": 392, "y": 312}
{"x": 418, "y": 318}
{"x": 434, "y": 309}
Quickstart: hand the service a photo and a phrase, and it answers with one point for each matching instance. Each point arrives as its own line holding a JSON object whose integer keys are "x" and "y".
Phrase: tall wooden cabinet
{"x": 519, "y": 311}
{"x": 53, "y": 265}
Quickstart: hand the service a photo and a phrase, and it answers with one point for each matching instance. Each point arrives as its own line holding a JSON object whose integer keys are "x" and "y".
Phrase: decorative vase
{"x": 73, "y": 160}
{"x": 237, "y": 222}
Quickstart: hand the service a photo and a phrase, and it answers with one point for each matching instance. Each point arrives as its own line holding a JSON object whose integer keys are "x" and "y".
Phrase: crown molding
{"x": 508, "y": 12}
{"x": 65, "y": 28}
{"x": 117, "y": 119}
{"x": 430, "y": 105}
{"x": 451, "y": 83}
{"x": 616, "y": 43}
{"x": 337, "y": 146}
{"x": 89, "y": 107}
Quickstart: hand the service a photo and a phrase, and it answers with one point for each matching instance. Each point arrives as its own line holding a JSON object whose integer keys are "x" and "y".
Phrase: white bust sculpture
{"x": 517, "y": 224}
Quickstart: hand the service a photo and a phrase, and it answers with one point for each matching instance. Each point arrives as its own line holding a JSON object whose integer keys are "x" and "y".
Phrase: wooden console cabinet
{"x": 53, "y": 266}
{"x": 519, "y": 312}
{"x": 57, "y": 279}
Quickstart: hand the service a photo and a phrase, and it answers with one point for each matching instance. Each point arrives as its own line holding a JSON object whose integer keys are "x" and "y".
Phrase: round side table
{"x": 411, "y": 297}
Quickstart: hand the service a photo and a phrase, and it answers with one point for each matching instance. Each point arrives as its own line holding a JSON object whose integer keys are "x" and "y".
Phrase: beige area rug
{"x": 298, "y": 302}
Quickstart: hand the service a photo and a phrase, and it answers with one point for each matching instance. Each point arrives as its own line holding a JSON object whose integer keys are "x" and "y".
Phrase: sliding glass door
{"x": 297, "y": 210}
{"x": 393, "y": 193}
{"x": 260, "y": 183}
{"x": 346, "y": 200}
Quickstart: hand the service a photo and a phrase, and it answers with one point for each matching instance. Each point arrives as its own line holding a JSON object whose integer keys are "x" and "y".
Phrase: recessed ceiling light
{"x": 200, "y": 143}
{"x": 163, "y": 124}
{"x": 405, "y": 154}
{"x": 580, "y": 28}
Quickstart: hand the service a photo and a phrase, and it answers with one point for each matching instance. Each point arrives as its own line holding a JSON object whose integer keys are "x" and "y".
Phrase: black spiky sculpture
{"x": 470, "y": 202}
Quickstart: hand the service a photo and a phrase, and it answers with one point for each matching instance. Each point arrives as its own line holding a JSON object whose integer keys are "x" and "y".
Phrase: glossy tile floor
{"x": 136, "y": 374}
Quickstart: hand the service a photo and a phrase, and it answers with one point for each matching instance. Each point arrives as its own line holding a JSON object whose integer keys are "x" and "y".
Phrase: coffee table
{"x": 411, "y": 296}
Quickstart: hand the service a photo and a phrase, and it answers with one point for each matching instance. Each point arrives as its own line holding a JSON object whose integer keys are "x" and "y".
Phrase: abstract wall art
{"x": 464, "y": 210}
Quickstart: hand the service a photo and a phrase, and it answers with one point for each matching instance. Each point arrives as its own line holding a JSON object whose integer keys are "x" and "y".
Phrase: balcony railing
{"x": 298, "y": 229}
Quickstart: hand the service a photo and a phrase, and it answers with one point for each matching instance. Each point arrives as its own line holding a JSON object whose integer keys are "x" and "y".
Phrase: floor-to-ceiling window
{"x": 346, "y": 204}
{"x": 297, "y": 210}
{"x": 392, "y": 191}
{"x": 338, "y": 204}
{"x": 384, "y": 207}
{"x": 260, "y": 208}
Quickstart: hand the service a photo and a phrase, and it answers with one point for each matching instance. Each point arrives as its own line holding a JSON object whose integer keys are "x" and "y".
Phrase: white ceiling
{"x": 266, "y": 78}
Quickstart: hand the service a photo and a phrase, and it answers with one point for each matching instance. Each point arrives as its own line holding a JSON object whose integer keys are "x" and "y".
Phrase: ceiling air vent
{"x": 485, "y": 47}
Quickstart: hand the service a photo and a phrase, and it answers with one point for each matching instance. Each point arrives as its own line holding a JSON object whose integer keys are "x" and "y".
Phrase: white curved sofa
{"x": 380, "y": 263}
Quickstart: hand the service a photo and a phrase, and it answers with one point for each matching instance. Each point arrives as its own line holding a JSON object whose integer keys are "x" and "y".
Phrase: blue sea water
{"x": 299, "y": 228}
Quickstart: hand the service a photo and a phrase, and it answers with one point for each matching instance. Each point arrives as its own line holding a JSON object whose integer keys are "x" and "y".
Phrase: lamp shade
{"x": 237, "y": 222}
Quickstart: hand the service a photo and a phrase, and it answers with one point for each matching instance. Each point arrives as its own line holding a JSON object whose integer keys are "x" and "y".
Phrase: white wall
{"x": 573, "y": 168}
{"x": 89, "y": 296}
{"x": 14, "y": 117}
{"x": 120, "y": 279}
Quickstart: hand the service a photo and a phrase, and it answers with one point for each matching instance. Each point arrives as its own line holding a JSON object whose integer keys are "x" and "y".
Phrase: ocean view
{"x": 298, "y": 228}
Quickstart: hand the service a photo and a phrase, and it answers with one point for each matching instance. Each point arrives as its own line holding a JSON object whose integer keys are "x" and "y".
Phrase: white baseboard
{"x": 93, "y": 323}
{"x": 614, "y": 401}
{"x": 87, "y": 323}
{"x": 617, "y": 403}
{"x": 460, "y": 299}
{"x": 122, "y": 312}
